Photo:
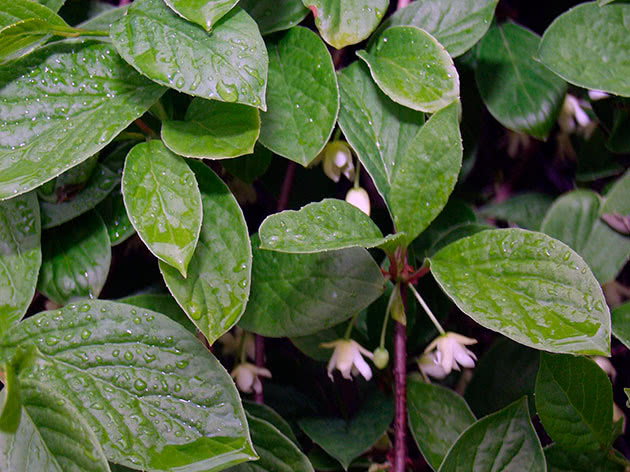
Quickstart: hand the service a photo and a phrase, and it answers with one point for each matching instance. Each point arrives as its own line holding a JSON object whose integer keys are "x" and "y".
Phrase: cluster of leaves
{"x": 106, "y": 130}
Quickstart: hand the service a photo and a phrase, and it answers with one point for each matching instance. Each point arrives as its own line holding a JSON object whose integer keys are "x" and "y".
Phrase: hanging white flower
{"x": 247, "y": 377}
{"x": 337, "y": 160}
{"x": 451, "y": 352}
{"x": 347, "y": 357}
{"x": 430, "y": 367}
{"x": 572, "y": 116}
{"x": 360, "y": 199}
{"x": 595, "y": 95}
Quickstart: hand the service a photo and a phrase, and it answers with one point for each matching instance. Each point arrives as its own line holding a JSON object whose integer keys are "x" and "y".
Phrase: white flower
{"x": 360, "y": 199}
{"x": 595, "y": 95}
{"x": 451, "y": 353}
{"x": 429, "y": 366}
{"x": 347, "y": 359}
{"x": 337, "y": 160}
{"x": 247, "y": 375}
{"x": 606, "y": 366}
{"x": 572, "y": 117}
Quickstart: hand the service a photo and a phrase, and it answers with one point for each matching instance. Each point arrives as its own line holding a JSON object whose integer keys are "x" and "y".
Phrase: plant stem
{"x": 428, "y": 311}
{"x": 357, "y": 175}
{"x": 400, "y": 398}
{"x": 259, "y": 346}
{"x": 350, "y": 326}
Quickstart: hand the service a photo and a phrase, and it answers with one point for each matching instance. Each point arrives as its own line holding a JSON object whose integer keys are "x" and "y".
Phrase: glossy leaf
{"x": 561, "y": 460}
{"x": 54, "y": 5}
{"x": 275, "y": 15}
{"x": 162, "y": 303}
{"x": 345, "y": 22}
{"x": 155, "y": 397}
{"x": 587, "y": 47}
{"x": 216, "y": 289}
{"x": 228, "y": 64}
{"x": 527, "y": 210}
{"x": 413, "y": 69}
{"x": 303, "y": 96}
{"x": 104, "y": 20}
{"x": 323, "y": 226}
{"x": 263, "y": 412}
{"x": 527, "y": 286}
{"x": 20, "y": 257}
{"x": 13, "y": 11}
{"x": 213, "y": 130}
{"x": 456, "y": 24}
{"x": 300, "y": 294}
{"x": 519, "y": 92}
{"x": 114, "y": 214}
{"x": 205, "y": 13}
{"x": 437, "y": 416}
{"x": 574, "y": 402}
{"x": 101, "y": 183}
{"x": 95, "y": 101}
{"x": 620, "y": 317}
{"x": 163, "y": 202}
{"x": 346, "y": 440}
{"x": 76, "y": 258}
{"x": 504, "y": 440}
{"x": 21, "y": 38}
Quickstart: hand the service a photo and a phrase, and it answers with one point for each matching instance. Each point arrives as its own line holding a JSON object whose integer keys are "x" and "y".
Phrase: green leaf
{"x": 163, "y": 202}
{"x": 456, "y": 24}
{"x": 518, "y": 91}
{"x": 228, "y": 64}
{"x": 527, "y": 286}
{"x": 114, "y": 214}
{"x": 620, "y": 317}
{"x": 215, "y": 292}
{"x": 11, "y": 400}
{"x": 155, "y": 397}
{"x": 587, "y": 46}
{"x": 504, "y": 440}
{"x": 412, "y": 68}
{"x": 21, "y": 38}
{"x": 303, "y": 96}
{"x": 526, "y": 210}
{"x": 249, "y": 168}
{"x": 20, "y": 257}
{"x": 561, "y": 460}
{"x": 205, "y": 13}
{"x": 437, "y": 416}
{"x": 346, "y": 440}
{"x": 76, "y": 258}
{"x": 617, "y": 203}
{"x": 300, "y": 294}
{"x": 275, "y": 15}
{"x": 54, "y": 5}
{"x": 322, "y": 226}
{"x": 80, "y": 110}
{"x": 345, "y": 22}
{"x": 100, "y": 185}
{"x": 13, "y": 11}
{"x": 263, "y": 412}
{"x": 213, "y": 130}
{"x": 162, "y": 303}
{"x": 574, "y": 402}
{"x": 277, "y": 452}
{"x": 104, "y": 20}
{"x": 574, "y": 220}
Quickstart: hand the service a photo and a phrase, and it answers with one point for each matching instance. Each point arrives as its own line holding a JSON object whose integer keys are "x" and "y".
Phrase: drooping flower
{"x": 595, "y": 95}
{"x": 572, "y": 116}
{"x": 336, "y": 160}
{"x": 360, "y": 199}
{"x": 347, "y": 357}
{"x": 451, "y": 352}
{"x": 429, "y": 366}
{"x": 247, "y": 377}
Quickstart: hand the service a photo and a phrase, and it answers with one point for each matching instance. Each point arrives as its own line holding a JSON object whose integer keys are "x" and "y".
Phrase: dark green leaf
{"x": 162, "y": 303}
{"x": 560, "y": 460}
{"x": 21, "y": 38}
{"x": 620, "y": 316}
{"x": 115, "y": 217}
{"x": 263, "y": 412}
{"x": 274, "y": 15}
{"x": 526, "y": 210}
{"x": 249, "y": 168}
{"x": 205, "y": 13}
{"x": 15, "y": 10}
{"x": 617, "y": 203}
{"x": 311, "y": 344}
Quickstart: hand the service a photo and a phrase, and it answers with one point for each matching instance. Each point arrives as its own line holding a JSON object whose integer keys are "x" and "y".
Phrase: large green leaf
{"x": 56, "y": 114}
{"x": 205, "y": 13}
{"x": 437, "y": 416}
{"x": 104, "y": 20}
{"x": 300, "y": 294}
{"x": 412, "y": 68}
{"x": 214, "y": 130}
{"x": 76, "y": 258}
{"x": 54, "y": 5}
{"x": 587, "y": 47}
{"x": 620, "y": 317}
{"x": 216, "y": 289}
{"x": 504, "y": 440}
{"x": 527, "y": 210}
{"x": 346, "y": 440}
{"x": 155, "y": 397}
{"x": 249, "y": 168}
{"x": 163, "y": 202}
{"x": 263, "y": 412}
{"x": 574, "y": 220}
{"x": 162, "y": 303}
{"x": 21, "y": 38}
{"x": 561, "y": 460}
{"x": 323, "y": 226}
{"x": 115, "y": 217}
{"x": 13, "y": 11}
{"x": 518, "y": 91}
{"x": 345, "y": 22}
{"x": 303, "y": 96}
{"x": 527, "y": 286}
{"x": 456, "y": 24}
{"x": 228, "y": 64}
{"x": 20, "y": 257}
{"x": 574, "y": 401}
{"x": 275, "y": 15}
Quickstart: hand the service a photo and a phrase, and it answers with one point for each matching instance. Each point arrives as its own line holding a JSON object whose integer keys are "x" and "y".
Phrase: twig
{"x": 400, "y": 397}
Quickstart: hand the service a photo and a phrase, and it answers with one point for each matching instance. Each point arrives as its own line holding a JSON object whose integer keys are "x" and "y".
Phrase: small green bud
{"x": 381, "y": 357}
{"x": 397, "y": 307}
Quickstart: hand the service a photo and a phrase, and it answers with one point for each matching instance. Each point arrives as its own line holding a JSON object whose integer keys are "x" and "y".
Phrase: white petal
{"x": 331, "y": 364}
{"x": 363, "y": 367}
{"x": 465, "y": 357}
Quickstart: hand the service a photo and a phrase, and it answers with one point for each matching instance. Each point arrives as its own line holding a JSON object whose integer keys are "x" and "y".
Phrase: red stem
{"x": 400, "y": 394}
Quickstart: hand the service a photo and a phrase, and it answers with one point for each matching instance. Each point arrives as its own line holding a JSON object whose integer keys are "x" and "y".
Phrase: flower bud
{"x": 381, "y": 357}
{"x": 360, "y": 199}
{"x": 397, "y": 308}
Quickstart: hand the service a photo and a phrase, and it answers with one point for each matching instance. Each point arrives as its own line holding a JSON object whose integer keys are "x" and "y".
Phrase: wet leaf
{"x": 275, "y": 15}
{"x": 205, "y": 13}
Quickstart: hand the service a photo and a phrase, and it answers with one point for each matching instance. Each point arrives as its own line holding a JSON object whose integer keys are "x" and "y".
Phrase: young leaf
{"x": 300, "y": 294}
{"x": 16, "y": 10}
{"x": 78, "y": 110}
{"x": 216, "y": 289}
{"x": 203, "y": 12}
{"x": 518, "y": 91}
{"x": 456, "y": 24}
{"x": 76, "y": 258}
{"x": 437, "y": 416}
{"x": 173, "y": 52}
{"x": 20, "y": 257}
{"x": 303, "y": 96}
{"x": 163, "y": 202}
{"x": 412, "y": 68}
{"x": 505, "y": 440}
{"x": 213, "y": 130}
{"x": 574, "y": 402}
{"x": 275, "y": 15}
{"x": 586, "y": 46}
{"x": 155, "y": 397}
{"x": 527, "y": 286}
{"x": 114, "y": 214}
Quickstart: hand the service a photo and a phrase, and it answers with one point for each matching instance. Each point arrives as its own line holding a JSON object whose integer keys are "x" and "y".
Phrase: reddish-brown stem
{"x": 400, "y": 398}
{"x": 145, "y": 129}
{"x": 259, "y": 344}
